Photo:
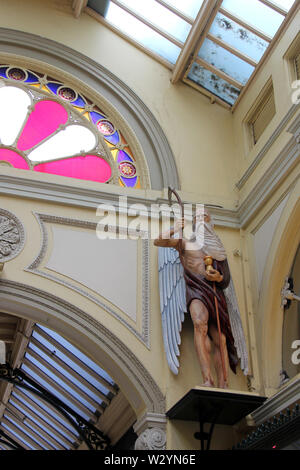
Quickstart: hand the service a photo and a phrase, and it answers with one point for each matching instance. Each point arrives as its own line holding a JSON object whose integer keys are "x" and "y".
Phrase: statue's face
{"x": 202, "y": 217}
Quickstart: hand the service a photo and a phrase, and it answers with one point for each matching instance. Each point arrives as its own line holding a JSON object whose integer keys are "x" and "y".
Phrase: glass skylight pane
{"x": 48, "y": 387}
{"x": 238, "y": 37}
{"x": 73, "y": 140}
{"x": 42, "y": 404}
{"x": 225, "y": 61}
{"x": 72, "y": 364}
{"x": 14, "y": 433}
{"x": 61, "y": 384}
{"x": 37, "y": 422}
{"x": 141, "y": 33}
{"x": 161, "y": 17}
{"x": 188, "y": 7}
{"x": 23, "y": 428}
{"x": 14, "y": 104}
{"x": 285, "y": 4}
{"x": 255, "y": 13}
{"x": 85, "y": 359}
{"x": 214, "y": 84}
{"x": 63, "y": 371}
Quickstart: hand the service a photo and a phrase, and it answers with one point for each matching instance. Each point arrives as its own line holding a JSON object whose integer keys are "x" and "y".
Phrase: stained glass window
{"x": 48, "y": 127}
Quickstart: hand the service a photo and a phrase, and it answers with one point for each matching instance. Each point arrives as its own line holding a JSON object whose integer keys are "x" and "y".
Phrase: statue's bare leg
{"x": 222, "y": 381}
{"x": 199, "y": 315}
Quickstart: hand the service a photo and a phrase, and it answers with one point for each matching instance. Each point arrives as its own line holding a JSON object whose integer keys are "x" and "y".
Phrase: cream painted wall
{"x": 195, "y": 129}
{"x": 277, "y": 69}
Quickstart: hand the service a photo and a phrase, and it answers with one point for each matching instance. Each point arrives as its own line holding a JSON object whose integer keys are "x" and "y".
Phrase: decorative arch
{"x": 143, "y": 132}
{"x": 278, "y": 265}
{"x": 91, "y": 337}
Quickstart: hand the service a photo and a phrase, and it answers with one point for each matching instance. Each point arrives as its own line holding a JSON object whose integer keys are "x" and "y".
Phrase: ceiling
{"x": 56, "y": 396}
{"x": 215, "y": 46}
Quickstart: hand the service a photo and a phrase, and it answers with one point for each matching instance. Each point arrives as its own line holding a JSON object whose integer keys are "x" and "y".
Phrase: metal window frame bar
{"x": 213, "y": 98}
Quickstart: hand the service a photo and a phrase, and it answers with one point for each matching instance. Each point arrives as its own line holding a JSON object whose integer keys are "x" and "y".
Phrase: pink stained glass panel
{"x": 89, "y": 167}
{"x": 14, "y": 159}
{"x": 45, "y": 119}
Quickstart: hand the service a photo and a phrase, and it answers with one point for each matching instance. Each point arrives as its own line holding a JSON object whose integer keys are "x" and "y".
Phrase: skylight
{"x": 85, "y": 389}
{"x": 229, "y": 38}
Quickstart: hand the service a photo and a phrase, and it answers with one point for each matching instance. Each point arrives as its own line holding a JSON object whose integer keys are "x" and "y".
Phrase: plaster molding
{"x": 34, "y": 268}
{"x": 31, "y": 50}
{"x": 151, "y": 439}
{"x": 12, "y": 236}
{"x": 287, "y": 396}
{"x": 150, "y": 420}
{"x": 122, "y": 364}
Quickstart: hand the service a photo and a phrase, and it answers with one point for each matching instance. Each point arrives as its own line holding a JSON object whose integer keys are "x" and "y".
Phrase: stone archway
{"x": 89, "y": 335}
{"x": 270, "y": 311}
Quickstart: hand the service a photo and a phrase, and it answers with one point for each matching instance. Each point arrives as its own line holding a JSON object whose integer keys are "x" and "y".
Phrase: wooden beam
{"x": 245, "y": 25}
{"x": 174, "y": 10}
{"x": 231, "y": 49}
{"x": 144, "y": 20}
{"x": 201, "y": 25}
{"x": 78, "y": 6}
{"x": 275, "y": 7}
{"x": 219, "y": 73}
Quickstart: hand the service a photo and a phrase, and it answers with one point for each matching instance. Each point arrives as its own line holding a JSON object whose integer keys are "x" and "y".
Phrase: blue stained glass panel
{"x": 225, "y": 61}
{"x": 238, "y": 37}
{"x": 122, "y": 155}
{"x": 214, "y": 84}
{"x": 96, "y": 116}
{"x": 78, "y": 102}
{"x": 114, "y": 138}
{"x": 31, "y": 78}
{"x": 255, "y": 13}
{"x": 129, "y": 182}
{"x": 53, "y": 86}
{"x": 3, "y": 71}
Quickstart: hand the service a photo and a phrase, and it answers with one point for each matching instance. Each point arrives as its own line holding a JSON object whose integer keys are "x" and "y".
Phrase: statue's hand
{"x": 214, "y": 276}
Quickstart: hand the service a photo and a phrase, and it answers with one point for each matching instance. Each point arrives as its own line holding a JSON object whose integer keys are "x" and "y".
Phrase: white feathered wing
{"x": 173, "y": 307}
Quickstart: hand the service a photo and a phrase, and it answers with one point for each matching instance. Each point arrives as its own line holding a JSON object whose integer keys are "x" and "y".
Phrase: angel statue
{"x": 206, "y": 292}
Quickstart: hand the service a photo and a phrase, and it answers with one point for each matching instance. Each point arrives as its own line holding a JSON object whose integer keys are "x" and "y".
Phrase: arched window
{"x": 49, "y": 127}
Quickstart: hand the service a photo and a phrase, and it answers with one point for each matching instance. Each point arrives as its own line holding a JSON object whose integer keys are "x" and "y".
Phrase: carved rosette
{"x": 151, "y": 439}
{"x": 12, "y": 236}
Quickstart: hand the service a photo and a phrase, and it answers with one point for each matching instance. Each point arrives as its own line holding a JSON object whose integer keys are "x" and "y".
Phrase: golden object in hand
{"x": 208, "y": 260}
